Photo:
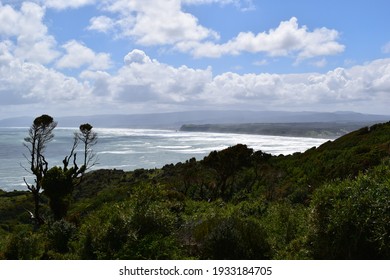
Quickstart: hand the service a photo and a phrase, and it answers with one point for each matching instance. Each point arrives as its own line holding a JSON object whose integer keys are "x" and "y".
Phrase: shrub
{"x": 351, "y": 219}
{"x": 286, "y": 226}
{"x": 105, "y": 232}
{"x": 232, "y": 238}
{"x": 24, "y": 245}
{"x": 59, "y": 235}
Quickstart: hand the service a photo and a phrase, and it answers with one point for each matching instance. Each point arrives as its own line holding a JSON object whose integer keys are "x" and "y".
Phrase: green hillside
{"x": 330, "y": 202}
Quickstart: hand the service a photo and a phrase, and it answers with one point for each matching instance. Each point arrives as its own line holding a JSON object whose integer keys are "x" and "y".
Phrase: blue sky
{"x": 82, "y": 57}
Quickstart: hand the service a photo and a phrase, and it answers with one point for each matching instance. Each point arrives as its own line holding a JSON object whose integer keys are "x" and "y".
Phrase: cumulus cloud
{"x": 143, "y": 83}
{"x": 31, "y": 83}
{"x": 243, "y": 5}
{"x": 61, "y": 4}
{"x": 341, "y": 87}
{"x": 136, "y": 56}
{"x": 161, "y": 23}
{"x": 78, "y": 55}
{"x": 287, "y": 39}
{"x": 150, "y": 22}
{"x": 26, "y": 30}
{"x": 143, "y": 80}
{"x": 158, "y": 22}
{"x": 101, "y": 23}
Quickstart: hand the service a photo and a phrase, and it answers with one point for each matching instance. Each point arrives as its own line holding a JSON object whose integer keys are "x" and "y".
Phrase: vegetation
{"x": 330, "y": 202}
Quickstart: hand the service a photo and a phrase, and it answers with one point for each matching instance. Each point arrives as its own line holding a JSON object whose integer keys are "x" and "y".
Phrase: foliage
{"x": 351, "y": 219}
{"x": 58, "y": 186}
{"x": 59, "y": 235}
{"x": 287, "y": 229}
{"x": 134, "y": 229}
{"x": 232, "y": 237}
{"x": 227, "y": 163}
{"x": 24, "y": 244}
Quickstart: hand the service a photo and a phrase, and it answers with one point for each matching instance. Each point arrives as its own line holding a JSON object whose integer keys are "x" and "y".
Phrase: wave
{"x": 174, "y": 148}
{"x": 126, "y": 152}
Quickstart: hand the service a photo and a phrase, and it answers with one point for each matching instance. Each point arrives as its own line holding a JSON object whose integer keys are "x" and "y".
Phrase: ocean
{"x": 130, "y": 149}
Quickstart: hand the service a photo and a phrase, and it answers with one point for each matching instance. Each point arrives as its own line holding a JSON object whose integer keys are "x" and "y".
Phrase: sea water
{"x": 130, "y": 149}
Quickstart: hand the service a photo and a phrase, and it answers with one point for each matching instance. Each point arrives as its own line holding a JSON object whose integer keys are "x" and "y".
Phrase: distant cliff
{"x": 306, "y": 129}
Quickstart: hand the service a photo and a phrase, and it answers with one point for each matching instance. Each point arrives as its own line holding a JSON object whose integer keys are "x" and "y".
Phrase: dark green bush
{"x": 351, "y": 219}
{"x": 286, "y": 226}
{"x": 59, "y": 234}
{"x": 232, "y": 238}
{"x": 24, "y": 245}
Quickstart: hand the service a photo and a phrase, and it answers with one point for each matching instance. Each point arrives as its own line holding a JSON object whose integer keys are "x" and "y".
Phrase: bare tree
{"x": 39, "y": 135}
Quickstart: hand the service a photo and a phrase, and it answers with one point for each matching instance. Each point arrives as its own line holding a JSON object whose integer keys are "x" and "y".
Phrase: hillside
{"x": 330, "y": 202}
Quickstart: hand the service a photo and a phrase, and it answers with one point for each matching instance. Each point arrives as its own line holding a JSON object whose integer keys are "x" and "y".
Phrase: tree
{"x": 59, "y": 183}
{"x": 227, "y": 163}
{"x": 88, "y": 139}
{"x": 39, "y": 135}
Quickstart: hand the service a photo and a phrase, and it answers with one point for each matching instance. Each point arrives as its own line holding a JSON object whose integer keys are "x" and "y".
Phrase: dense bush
{"x": 143, "y": 227}
{"x": 24, "y": 244}
{"x": 232, "y": 238}
{"x": 60, "y": 234}
{"x": 351, "y": 219}
{"x": 286, "y": 225}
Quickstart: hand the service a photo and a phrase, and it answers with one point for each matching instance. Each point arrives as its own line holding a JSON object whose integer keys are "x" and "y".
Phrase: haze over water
{"x": 130, "y": 149}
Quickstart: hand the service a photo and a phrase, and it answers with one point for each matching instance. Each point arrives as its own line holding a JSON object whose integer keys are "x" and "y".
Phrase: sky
{"x": 87, "y": 57}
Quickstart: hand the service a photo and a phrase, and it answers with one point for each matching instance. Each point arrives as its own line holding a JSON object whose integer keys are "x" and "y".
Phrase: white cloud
{"x": 5, "y": 53}
{"x": 29, "y": 35}
{"x": 243, "y": 5}
{"x": 287, "y": 39}
{"x": 151, "y": 22}
{"x": 101, "y": 24}
{"x": 202, "y": 2}
{"x": 341, "y": 88}
{"x": 62, "y": 4}
{"x": 164, "y": 23}
{"x": 136, "y": 56}
{"x": 78, "y": 55}
{"x": 146, "y": 84}
{"x": 32, "y": 83}
{"x": 143, "y": 81}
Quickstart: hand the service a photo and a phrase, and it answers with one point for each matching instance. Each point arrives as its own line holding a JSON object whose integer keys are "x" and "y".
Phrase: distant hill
{"x": 302, "y": 129}
{"x": 176, "y": 119}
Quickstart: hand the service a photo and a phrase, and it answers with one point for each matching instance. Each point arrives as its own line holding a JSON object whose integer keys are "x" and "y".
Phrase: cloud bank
{"x": 33, "y": 65}
{"x": 144, "y": 84}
